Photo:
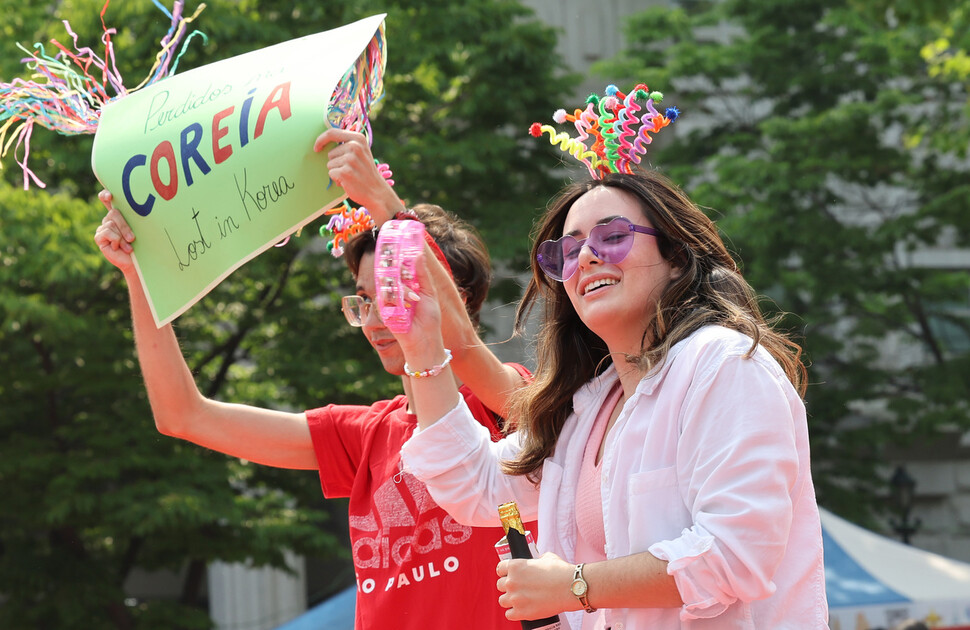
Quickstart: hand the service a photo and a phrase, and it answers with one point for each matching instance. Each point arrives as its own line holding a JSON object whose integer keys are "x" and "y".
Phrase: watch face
{"x": 578, "y": 588}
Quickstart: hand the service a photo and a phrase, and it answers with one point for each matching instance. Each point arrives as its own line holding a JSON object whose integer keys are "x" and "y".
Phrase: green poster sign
{"x": 215, "y": 165}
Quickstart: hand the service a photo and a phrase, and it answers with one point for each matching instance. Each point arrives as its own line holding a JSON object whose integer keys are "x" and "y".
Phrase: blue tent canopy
{"x": 848, "y": 584}
{"x": 335, "y": 613}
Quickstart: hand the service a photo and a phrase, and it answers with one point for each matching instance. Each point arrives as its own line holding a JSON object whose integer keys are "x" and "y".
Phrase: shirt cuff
{"x": 696, "y": 580}
{"x": 442, "y": 446}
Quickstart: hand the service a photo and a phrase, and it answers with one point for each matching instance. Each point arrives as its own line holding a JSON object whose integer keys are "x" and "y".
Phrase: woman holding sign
{"x": 407, "y": 551}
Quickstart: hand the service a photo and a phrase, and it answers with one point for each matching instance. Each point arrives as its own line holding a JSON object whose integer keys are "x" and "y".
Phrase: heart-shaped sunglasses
{"x": 610, "y": 242}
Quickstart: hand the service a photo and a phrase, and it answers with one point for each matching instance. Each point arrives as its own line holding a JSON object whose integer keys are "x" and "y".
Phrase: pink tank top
{"x": 591, "y": 543}
{"x": 591, "y": 539}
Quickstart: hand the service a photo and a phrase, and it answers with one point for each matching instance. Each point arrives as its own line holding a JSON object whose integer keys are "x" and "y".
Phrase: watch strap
{"x": 583, "y": 599}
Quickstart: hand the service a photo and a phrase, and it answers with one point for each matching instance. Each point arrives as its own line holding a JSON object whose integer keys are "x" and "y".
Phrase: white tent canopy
{"x": 876, "y": 582}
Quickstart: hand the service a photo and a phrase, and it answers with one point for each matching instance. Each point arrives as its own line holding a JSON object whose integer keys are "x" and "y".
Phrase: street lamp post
{"x": 902, "y": 487}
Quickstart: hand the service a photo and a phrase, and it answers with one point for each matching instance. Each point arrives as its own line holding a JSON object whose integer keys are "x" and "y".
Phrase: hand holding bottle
{"x": 536, "y": 588}
{"x": 517, "y": 549}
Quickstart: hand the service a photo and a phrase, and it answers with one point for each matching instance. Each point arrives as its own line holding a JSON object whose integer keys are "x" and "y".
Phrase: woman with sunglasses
{"x": 663, "y": 444}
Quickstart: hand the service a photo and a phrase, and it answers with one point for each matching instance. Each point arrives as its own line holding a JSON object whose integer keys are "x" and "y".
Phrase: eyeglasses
{"x": 610, "y": 242}
{"x": 357, "y": 308}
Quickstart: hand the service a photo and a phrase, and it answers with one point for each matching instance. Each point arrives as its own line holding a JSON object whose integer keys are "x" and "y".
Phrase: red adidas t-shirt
{"x": 416, "y": 567}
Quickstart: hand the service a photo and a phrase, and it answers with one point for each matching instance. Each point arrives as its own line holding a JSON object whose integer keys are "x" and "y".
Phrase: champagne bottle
{"x": 518, "y": 543}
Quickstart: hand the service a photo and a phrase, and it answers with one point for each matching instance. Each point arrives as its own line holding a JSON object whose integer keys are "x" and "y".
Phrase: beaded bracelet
{"x": 434, "y": 371}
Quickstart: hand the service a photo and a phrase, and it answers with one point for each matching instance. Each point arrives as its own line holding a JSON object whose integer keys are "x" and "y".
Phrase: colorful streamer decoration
{"x": 359, "y": 89}
{"x": 71, "y": 85}
{"x": 613, "y": 131}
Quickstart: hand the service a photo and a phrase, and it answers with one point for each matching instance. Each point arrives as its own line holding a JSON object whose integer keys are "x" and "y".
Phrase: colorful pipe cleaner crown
{"x": 67, "y": 91}
{"x": 615, "y": 126}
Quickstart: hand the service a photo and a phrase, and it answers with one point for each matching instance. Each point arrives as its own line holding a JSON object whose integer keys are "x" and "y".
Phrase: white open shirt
{"x": 707, "y": 467}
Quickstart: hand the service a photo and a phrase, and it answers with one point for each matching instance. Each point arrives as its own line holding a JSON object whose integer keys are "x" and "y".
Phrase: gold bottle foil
{"x": 508, "y": 513}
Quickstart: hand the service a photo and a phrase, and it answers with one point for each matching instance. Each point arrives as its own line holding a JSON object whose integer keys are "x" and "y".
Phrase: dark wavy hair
{"x": 461, "y": 245}
{"x": 710, "y": 290}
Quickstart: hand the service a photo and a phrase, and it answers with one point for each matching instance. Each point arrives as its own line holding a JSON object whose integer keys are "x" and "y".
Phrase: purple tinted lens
{"x": 551, "y": 258}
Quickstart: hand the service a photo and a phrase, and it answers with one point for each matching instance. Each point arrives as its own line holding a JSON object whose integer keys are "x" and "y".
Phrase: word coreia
{"x": 189, "y": 141}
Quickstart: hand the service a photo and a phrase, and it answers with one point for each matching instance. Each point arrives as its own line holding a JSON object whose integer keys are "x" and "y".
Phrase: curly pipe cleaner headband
{"x": 612, "y": 132}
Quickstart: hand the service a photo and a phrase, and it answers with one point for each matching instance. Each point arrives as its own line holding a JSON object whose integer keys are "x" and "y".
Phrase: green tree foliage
{"x": 807, "y": 130}
{"x": 948, "y": 56}
{"x": 90, "y": 490}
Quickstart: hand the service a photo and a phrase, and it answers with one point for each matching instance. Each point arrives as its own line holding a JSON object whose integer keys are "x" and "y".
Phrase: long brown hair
{"x": 710, "y": 290}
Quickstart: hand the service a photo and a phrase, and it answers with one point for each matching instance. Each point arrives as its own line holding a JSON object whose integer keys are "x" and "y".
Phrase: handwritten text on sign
{"x": 215, "y": 165}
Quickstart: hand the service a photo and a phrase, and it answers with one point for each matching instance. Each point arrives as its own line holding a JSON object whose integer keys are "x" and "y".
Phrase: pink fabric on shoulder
{"x": 589, "y": 498}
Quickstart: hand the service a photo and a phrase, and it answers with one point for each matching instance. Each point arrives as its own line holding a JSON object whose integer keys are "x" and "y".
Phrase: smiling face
{"x": 615, "y": 300}
{"x": 379, "y": 337}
